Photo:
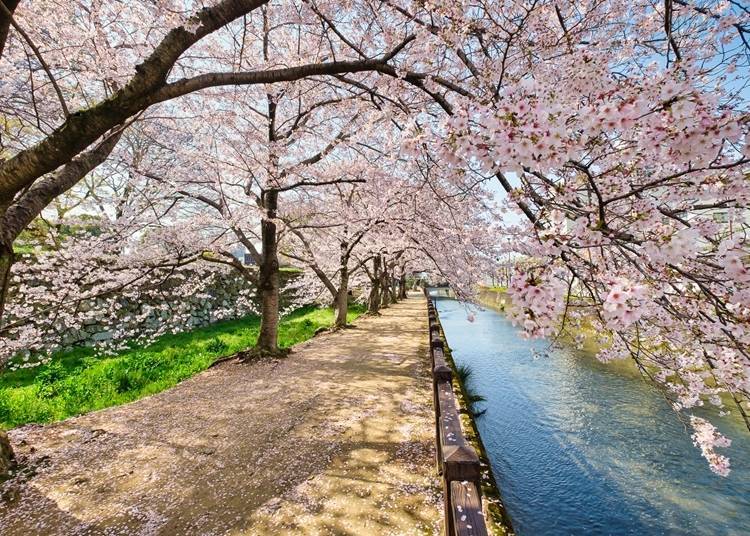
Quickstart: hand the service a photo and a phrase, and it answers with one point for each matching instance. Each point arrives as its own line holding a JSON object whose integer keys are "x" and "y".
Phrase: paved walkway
{"x": 334, "y": 439}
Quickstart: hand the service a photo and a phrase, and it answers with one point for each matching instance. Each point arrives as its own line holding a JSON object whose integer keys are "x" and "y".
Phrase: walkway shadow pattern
{"x": 335, "y": 439}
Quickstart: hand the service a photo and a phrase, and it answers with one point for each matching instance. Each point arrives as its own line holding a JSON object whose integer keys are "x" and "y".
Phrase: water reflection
{"x": 579, "y": 447}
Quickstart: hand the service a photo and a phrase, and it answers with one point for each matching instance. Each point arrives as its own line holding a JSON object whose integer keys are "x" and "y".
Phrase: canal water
{"x": 579, "y": 447}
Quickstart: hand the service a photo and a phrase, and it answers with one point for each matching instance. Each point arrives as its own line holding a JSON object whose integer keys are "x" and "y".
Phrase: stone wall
{"x": 228, "y": 296}
{"x": 218, "y": 301}
{"x": 189, "y": 298}
{"x": 494, "y": 299}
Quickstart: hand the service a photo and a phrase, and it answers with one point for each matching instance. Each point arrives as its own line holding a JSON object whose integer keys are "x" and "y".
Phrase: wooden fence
{"x": 457, "y": 461}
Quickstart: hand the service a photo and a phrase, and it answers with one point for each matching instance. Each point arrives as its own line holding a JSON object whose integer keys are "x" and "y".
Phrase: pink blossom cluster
{"x": 618, "y": 135}
{"x": 625, "y": 304}
{"x": 537, "y": 304}
{"x": 707, "y": 438}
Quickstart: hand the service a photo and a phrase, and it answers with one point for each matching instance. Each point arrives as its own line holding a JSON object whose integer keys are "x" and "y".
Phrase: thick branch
{"x": 84, "y": 127}
{"x": 10, "y": 7}
{"x": 22, "y": 212}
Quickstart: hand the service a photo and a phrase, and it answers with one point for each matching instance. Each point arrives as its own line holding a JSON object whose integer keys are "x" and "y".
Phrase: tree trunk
{"x": 402, "y": 287}
{"x": 373, "y": 302}
{"x": 383, "y": 285}
{"x": 6, "y": 263}
{"x": 385, "y": 280}
{"x": 342, "y": 296}
{"x": 386, "y": 286}
{"x": 11, "y": 6}
{"x": 268, "y": 278}
{"x": 7, "y": 456}
{"x": 341, "y": 307}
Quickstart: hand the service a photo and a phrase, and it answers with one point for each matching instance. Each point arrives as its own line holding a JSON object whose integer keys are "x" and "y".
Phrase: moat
{"x": 580, "y": 447}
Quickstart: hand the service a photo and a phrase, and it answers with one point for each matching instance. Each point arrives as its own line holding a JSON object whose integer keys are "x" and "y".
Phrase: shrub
{"x": 216, "y": 346}
{"x": 464, "y": 373}
{"x": 48, "y": 379}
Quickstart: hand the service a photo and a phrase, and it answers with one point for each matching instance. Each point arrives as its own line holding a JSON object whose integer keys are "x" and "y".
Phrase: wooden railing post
{"x": 441, "y": 372}
{"x": 457, "y": 460}
{"x": 469, "y": 520}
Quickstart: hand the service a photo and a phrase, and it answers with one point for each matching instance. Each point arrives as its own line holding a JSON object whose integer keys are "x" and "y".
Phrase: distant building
{"x": 242, "y": 254}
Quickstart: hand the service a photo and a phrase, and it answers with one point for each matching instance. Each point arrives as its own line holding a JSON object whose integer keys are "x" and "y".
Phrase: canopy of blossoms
{"x": 364, "y": 139}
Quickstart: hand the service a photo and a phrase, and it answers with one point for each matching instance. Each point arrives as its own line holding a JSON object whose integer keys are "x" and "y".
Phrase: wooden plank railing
{"x": 457, "y": 461}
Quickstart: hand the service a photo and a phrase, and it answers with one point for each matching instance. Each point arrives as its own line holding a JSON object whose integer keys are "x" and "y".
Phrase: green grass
{"x": 77, "y": 381}
{"x": 20, "y": 249}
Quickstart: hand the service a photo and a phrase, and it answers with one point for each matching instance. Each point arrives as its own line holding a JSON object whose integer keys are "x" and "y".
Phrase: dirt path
{"x": 335, "y": 439}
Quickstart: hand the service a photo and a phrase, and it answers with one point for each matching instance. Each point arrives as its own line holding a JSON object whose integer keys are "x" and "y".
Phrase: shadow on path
{"x": 335, "y": 439}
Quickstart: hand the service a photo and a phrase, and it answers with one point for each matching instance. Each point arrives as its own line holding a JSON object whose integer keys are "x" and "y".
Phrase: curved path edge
{"x": 334, "y": 439}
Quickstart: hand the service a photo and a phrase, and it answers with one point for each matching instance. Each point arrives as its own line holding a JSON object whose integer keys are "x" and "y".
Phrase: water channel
{"x": 580, "y": 447}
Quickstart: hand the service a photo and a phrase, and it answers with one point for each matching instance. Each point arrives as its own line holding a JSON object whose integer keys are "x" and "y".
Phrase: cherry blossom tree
{"x": 257, "y": 169}
{"x": 79, "y": 74}
{"x": 326, "y": 234}
{"x": 335, "y": 233}
{"x": 619, "y": 131}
